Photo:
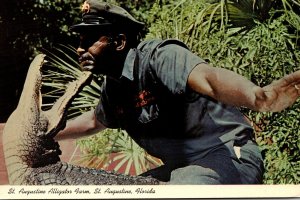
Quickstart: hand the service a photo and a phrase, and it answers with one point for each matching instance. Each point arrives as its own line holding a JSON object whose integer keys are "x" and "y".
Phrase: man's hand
{"x": 279, "y": 94}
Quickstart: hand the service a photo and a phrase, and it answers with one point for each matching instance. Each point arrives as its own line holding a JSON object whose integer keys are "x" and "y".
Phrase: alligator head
{"x": 32, "y": 154}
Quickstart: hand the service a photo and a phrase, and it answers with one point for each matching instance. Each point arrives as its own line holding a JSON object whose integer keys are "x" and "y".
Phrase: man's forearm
{"x": 84, "y": 125}
{"x": 233, "y": 89}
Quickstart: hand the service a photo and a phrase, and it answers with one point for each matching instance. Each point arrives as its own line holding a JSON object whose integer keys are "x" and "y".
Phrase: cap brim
{"x": 83, "y": 27}
{"x": 89, "y": 27}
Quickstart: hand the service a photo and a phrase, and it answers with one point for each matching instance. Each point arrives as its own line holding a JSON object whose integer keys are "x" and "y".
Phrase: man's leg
{"x": 222, "y": 167}
{"x": 216, "y": 167}
{"x": 250, "y": 164}
{"x": 194, "y": 175}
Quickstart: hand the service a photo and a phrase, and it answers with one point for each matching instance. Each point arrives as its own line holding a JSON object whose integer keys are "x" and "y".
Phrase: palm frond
{"x": 62, "y": 68}
{"x": 246, "y": 12}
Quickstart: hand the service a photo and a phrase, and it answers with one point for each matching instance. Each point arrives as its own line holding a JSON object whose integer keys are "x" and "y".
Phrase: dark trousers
{"x": 224, "y": 165}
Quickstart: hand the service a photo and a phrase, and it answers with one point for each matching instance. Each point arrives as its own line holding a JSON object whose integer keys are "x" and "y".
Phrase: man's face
{"x": 97, "y": 53}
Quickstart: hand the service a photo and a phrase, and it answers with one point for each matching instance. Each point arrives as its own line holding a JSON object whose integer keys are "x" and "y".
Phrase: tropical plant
{"x": 115, "y": 150}
{"x": 257, "y": 39}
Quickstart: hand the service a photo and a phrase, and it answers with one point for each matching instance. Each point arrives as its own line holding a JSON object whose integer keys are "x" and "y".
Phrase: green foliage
{"x": 34, "y": 24}
{"x": 138, "y": 8}
{"x": 261, "y": 47}
{"x": 280, "y": 145}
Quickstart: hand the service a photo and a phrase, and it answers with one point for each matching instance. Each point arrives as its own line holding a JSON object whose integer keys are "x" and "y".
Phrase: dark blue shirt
{"x": 153, "y": 103}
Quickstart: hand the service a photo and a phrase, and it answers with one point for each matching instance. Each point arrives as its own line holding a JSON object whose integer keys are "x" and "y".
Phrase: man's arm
{"x": 231, "y": 88}
{"x": 84, "y": 125}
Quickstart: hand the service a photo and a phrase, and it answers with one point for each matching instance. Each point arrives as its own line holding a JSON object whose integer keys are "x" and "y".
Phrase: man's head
{"x": 107, "y": 32}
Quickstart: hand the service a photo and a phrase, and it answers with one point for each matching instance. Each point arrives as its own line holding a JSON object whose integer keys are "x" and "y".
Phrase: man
{"x": 172, "y": 103}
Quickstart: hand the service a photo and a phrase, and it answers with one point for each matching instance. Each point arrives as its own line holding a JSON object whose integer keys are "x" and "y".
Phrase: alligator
{"x": 30, "y": 151}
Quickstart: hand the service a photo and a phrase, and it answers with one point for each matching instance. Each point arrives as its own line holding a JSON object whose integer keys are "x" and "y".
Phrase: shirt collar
{"x": 129, "y": 65}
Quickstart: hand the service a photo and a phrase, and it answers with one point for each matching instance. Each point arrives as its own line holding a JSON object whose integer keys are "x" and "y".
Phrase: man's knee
{"x": 194, "y": 175}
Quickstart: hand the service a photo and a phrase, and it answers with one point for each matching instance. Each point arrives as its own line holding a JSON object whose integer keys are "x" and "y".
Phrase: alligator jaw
{"x": 28, "y": 133}
{"x": 32, "y": 155}
{"x": 56, "y": 115}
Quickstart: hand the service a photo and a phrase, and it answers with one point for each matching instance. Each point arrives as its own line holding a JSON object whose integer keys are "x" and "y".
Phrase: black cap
{"x": 103, "y": 16}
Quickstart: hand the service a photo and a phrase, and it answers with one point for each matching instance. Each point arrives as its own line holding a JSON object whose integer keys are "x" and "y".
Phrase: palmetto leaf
{"x": 246, "y": 12}
{"x": 120, "y": 153}
{"x": 132, "y": 153}
{"x": 61, "y": 69}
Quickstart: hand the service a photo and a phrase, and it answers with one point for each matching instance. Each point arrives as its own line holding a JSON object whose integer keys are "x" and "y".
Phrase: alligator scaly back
{"x": 30, "y": 151}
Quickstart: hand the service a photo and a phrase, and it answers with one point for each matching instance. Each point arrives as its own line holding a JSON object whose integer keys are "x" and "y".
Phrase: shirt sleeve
{"x": 104, "y": 111}
{"x": 172, "y": 64}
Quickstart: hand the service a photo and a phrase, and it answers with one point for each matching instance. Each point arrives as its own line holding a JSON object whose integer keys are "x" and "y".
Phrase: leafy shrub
{"x": 31, "y": 25}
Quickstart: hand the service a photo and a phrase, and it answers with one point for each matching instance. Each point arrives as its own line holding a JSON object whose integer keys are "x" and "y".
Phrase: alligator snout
{"x": 30, "y": 151}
